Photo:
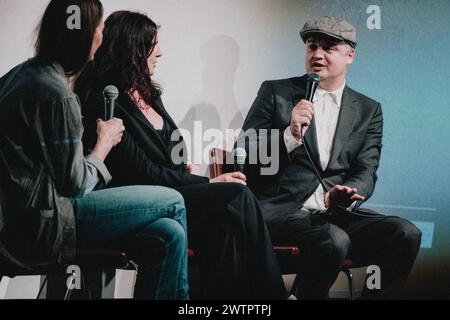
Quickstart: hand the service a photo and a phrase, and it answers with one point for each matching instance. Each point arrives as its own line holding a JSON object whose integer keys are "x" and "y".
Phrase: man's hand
{"x": 235, "y": 177}
{"x": 341, "y": 196}
{"x": 301, "y": 118}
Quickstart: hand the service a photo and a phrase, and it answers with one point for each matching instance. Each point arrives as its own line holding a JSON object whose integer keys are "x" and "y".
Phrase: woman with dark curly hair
{"x": 226, "y": 228}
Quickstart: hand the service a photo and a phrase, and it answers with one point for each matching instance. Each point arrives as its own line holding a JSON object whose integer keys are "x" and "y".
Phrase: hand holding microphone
{"x": 303, "y": 112}
{"x": 301, "y": 118}
{"x": 110, "y": 130}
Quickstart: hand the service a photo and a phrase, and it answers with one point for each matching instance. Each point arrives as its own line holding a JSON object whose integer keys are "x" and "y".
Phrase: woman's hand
{"x": 193, "y": 169}
{"x": 109, "y": 135}
{"x": 235, "y": 177}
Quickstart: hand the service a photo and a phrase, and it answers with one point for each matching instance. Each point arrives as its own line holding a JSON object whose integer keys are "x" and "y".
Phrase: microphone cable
{"x": 309, "y": 94}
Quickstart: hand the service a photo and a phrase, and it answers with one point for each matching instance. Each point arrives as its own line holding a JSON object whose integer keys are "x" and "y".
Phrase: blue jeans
{"x": 149, "y": 223}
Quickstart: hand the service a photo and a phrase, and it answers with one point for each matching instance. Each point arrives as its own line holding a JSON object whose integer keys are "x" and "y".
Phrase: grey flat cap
{"x": 334, "y": 27}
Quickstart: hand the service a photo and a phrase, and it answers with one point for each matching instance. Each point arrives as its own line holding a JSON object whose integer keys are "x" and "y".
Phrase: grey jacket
{"x": 41, "y": 167}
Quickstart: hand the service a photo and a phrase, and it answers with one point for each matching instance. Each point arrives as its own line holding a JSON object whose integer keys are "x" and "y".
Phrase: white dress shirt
{"x": 326, "y": 113}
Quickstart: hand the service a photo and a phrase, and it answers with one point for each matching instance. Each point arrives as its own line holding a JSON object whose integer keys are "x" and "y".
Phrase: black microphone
{"x": 110, "y": 94}
{"x": 311, "y": 85}
{"x": 239, "y": 156}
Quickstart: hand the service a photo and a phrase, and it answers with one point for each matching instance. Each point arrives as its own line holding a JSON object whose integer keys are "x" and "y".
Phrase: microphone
{"x": 239, "y": 156}
{"x": 110, "y": 94}
{"x": 311, "y": 85}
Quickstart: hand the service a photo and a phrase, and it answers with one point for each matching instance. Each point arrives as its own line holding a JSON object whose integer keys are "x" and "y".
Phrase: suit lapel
{"x": 345, "y": 123}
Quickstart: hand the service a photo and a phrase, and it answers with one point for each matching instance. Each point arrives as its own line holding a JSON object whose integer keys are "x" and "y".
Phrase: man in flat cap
{"x": 329, "y": 154}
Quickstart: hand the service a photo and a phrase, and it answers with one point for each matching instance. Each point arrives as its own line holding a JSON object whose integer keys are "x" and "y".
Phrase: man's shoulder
{"x": 361, "y": 97}
{"x": 286, "y": 82}
{"x": 283, "y": 87}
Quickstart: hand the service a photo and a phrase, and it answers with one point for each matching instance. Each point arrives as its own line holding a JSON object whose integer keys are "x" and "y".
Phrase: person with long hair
{"x": 226, "y": 229}
{"x": 48, "y": 206}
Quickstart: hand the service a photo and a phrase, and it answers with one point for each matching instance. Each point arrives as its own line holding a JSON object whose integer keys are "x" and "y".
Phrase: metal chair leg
{"x": 351, "y": 285}
{"x": 70, "y": 286}
{"x": 86, "y": 285}
{"x": 294, "y": 287}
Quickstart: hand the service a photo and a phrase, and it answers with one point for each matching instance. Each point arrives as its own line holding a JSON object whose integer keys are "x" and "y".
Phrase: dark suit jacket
{"x": 141, "y": 157}
{"x": 354, "y": 158}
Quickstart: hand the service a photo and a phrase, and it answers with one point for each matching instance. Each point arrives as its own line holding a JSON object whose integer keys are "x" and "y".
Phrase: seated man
{"x": 313, "y": 200}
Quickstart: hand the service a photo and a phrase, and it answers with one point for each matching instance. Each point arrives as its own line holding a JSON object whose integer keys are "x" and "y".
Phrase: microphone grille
{"x": 110, "y": 92}
{"x": 240, "y": 155}
{"x": 314, "y": 77}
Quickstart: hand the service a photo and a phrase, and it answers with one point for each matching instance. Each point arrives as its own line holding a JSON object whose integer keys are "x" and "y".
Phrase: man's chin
{"x": 321, "y": 73}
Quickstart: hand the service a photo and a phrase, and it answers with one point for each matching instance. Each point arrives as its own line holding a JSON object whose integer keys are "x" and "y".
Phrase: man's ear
{"x": 351, "y": 56}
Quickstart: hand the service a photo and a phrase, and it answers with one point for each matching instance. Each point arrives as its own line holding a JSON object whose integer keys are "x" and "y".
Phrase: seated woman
{"x": 48, "y": 207}
{"x": 226, "y": 228}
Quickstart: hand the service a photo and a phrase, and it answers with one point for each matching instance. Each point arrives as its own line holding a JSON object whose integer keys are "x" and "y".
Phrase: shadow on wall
{"x": 217, "y": 107}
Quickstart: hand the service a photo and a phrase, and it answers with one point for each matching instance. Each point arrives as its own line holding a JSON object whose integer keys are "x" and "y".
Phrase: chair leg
{"x": 351, "y": 285}
{"x": 70, "y": 286}
{"x": 68, "y": 293}
{"x": 42, "y": 287}
{"x": 87, "y": 286}
{"x": 294, "y": 287}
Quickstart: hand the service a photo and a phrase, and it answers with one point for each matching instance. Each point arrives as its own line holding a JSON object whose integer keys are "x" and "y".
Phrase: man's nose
{"x": 318, "y": 53}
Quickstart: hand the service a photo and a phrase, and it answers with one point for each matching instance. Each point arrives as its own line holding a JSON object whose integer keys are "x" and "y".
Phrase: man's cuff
{"x": 101, "y": 168}
{"x": 290, "y": 141}
{"x": 349, "y": 208}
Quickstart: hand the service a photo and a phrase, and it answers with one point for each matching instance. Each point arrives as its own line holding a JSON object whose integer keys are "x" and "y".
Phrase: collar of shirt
{"x": 336, "y": 95}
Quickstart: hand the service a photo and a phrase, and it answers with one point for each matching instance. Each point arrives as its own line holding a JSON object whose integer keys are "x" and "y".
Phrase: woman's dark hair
{"x": 60, "y": 41}
{"x": 128, "y": 40}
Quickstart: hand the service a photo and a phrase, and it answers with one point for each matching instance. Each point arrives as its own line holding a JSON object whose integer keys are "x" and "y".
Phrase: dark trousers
{"x": 231, "y": 243}
{"x": 364, "y": 236}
